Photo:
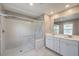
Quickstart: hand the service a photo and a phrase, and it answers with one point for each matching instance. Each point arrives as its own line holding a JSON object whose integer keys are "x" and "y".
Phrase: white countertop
{"x": 69, "y": 37}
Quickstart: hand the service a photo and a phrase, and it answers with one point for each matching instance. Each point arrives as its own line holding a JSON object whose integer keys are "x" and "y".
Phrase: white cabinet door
{"x": 53, "y": 45}
{"x": 68, "y": 47}
{"x": 71, "y": 48}
{"x": 49, "y": 42}
{"x": 62, "y": 47}
{"x": 56, "y": 43}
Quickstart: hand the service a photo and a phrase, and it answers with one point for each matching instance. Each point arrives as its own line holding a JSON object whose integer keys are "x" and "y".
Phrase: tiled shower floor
{"x": 37, "y": 52}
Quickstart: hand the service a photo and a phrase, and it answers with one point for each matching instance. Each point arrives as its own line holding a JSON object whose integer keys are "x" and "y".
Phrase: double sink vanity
{"x": 65, "y": 45}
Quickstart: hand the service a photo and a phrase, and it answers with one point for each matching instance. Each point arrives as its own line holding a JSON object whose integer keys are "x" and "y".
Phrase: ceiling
{"x": 37, "y": 9}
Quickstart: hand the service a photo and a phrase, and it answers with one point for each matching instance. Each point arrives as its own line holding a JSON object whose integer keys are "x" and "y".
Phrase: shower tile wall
{"x": 22, "y": 36}
{"x": 19, "y": 36}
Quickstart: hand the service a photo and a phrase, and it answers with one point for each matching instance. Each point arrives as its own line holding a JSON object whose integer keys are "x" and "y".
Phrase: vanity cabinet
{"x": 52, "y": 43}
{"x": 49, "y": 42}
{"x": 65, "y": 47}
{"x": 68, "y": 47}
{"x": 55, "y": 44}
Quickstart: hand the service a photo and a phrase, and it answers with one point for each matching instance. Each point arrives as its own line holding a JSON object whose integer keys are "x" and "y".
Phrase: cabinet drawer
{"x": 72, "y": 42}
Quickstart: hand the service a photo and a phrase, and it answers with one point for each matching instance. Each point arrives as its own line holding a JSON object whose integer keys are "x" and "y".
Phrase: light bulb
{"x": 67, "y": 6}
{"x": 31, "y": 4}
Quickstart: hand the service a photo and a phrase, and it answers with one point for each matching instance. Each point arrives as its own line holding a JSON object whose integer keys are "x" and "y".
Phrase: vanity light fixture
{"x": 67, "y": 6}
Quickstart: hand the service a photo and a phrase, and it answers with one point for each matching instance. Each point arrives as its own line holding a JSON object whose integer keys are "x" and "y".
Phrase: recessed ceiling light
{"x": 67, "y": 6}
{"x": 31, "y": 4}
{"x": 51, "y": 12}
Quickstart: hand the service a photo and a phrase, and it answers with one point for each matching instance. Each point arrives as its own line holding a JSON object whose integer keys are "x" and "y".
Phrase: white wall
{"x": 39, "y": 34}
{"x": 0, "y": 30}
{"x": 39, "y": 29}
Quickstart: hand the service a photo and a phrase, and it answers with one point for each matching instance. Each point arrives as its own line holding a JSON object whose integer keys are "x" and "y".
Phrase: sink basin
{"x": 70, "y": 36}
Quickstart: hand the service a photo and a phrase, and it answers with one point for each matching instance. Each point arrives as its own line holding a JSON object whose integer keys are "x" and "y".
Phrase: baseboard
{"x": 54, "y": 51}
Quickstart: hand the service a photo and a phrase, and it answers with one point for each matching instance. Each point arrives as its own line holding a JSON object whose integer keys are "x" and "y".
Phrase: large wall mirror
{"x": 68, "y": 25}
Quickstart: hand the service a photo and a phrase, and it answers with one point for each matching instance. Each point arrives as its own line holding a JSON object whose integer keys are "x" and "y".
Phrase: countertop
{"x": 69, "y": 37}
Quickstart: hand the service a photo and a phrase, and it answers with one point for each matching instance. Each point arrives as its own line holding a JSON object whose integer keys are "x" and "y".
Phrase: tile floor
{"x": 33, "y": 52}
{"x": 40, "y": 52}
